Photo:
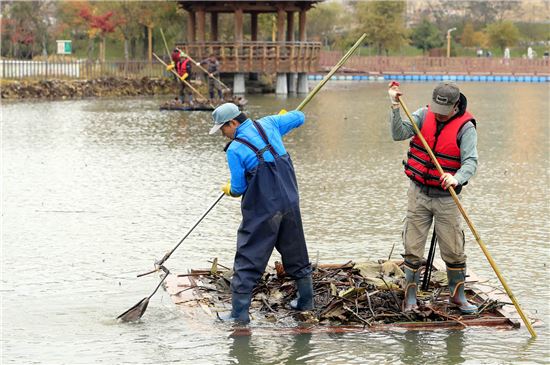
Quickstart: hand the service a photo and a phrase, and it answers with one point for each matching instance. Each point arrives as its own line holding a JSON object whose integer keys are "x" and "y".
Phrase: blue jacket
{"x": 242, "y": 159}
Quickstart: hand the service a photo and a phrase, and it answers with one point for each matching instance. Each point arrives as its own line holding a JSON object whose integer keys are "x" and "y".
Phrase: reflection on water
{"x": 249, "y": 349}
{"x": 93, "y": 191}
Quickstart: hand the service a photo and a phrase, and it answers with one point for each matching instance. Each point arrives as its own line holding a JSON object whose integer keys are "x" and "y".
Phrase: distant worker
{"x": 182, "y": 66}
{"x": 213, "y": 68}
{"x": 263, "y": 174}
{"x": 450, "y": 131}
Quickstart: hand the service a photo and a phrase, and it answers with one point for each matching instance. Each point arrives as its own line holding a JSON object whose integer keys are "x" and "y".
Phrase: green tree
{"x": 327, "y": 22}
{"x": 26, "y": 25}
{"x": 383, "y": 22}
{"x": 472, "y": 38}
{"x": 126, "y": 13}
{"x": 485, "y": 12}
{"x": 426, "y": 36}
{"x": 467, "y": 39}
{"x": 502, "y": 34}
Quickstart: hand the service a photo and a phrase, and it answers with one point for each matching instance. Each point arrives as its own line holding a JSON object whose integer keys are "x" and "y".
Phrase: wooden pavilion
{"x": 291, "y": 59}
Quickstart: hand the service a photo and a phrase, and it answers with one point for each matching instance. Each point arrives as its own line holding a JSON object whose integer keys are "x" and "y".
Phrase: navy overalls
{"x": 271, "y": 219}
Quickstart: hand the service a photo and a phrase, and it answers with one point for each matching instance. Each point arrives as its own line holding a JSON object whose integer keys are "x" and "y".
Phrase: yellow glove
{"x": 170, "y": 67}
{"x": 184, "y": 76}
{"x": 282, "y": 112}
{"x": 227, "y": 188}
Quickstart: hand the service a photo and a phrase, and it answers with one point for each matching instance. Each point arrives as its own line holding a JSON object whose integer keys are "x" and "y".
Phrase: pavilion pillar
{"x": 280, "y": 25}
{"x": 191, "y": 27}
{"x": 201, "y": 20}
{"x": 253, "y": 76}
{"x": 238, "y": 25}
{"x": 254, "y": 27}
{"x": 290, "y": 26}
{"x": 303, "y": 87}
{"x": 238, "y": 79}
{"x": 292, "y": 82}
{"x": 281, "y": 88}
{"x": 214, "y": 26}
{"x": 302, "y": 26}
{"x": 282, "y": 82}
{"x": 292, "y": 76}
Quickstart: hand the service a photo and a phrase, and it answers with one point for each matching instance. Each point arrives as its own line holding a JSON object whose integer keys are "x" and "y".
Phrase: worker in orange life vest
{"x": 450, "y": 131}
{"x": 182, "y": 66}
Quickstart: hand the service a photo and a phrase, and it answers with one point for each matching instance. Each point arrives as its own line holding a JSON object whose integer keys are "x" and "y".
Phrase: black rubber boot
{"x": 239, "y": 311}
{"x": 412, "y": 277}
{"x": 304, "y": 300}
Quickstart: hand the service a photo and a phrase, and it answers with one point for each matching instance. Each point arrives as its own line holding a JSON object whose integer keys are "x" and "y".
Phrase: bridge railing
{"x": 465, "y": 65}
{"x": 258, "y": 56}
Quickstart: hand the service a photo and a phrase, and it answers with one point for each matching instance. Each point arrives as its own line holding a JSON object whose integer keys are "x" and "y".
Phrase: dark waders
{"x": 271, "y": 219}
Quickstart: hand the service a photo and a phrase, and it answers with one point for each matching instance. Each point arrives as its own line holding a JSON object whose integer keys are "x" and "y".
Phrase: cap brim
{"x": 215, "y": 128}
{"x": 441, "y": 109}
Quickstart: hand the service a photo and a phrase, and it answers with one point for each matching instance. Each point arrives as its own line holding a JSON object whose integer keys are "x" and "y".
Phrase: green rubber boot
{"x": 412, "y": 277}
{"x": 456, "y": 274}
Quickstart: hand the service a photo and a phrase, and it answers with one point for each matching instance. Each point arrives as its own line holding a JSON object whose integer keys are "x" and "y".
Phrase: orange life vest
{"x": 419, "y": 167}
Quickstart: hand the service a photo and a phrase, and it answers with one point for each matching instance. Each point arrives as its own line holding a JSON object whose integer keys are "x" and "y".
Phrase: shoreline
{"x": 62, "y": 89}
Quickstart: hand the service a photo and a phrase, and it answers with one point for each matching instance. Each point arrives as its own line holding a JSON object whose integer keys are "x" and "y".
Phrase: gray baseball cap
{"x": 444, "y": 97}
{"x": 223, "y": 114}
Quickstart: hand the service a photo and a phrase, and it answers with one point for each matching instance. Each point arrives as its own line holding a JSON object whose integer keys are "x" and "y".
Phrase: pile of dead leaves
{"x": 364, "y": 293}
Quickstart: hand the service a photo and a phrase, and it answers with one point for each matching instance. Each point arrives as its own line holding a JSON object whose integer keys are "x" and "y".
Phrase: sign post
{"x": 64, "y": 47}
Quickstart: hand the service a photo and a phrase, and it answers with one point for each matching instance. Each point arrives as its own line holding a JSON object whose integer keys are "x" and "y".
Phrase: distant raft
{"x": 350, "y": 297}
{"x": 203, "y": 105}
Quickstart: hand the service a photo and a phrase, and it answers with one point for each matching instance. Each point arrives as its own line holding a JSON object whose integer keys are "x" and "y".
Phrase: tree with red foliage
{"x": 99, "y": 26}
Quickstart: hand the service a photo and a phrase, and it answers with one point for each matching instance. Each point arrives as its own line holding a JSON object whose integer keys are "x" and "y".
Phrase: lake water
{"x": 93, "y": 191}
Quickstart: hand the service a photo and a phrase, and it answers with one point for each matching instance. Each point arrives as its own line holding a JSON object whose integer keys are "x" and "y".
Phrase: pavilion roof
{"x": 258, "y": 6}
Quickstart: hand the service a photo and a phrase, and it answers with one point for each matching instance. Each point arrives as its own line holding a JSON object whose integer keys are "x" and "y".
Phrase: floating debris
{"x": 353, "y": 294}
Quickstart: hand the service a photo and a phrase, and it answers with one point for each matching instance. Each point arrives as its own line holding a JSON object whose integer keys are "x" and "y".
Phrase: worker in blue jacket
{"x": 263, "y": 174}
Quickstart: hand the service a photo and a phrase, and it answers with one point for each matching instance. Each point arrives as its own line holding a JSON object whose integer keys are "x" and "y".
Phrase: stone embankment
{"x": 68, "y": 89}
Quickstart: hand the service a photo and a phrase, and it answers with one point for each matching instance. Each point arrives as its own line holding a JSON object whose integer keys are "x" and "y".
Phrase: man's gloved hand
{"x": 184, "y": 76}
{"x": 394, "y": 92}
{"x": 227, "y": 188}
{"x": 282, "y": 112}
{"x": 447, "y": 180}
{"x": 170, "y": 67}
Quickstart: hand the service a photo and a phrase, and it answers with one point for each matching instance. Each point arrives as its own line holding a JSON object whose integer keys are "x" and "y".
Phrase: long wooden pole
{"x": 165, "y": 44}
{"x": 329, "y": 75}
{"x": 184, "y": 81}
{"x": 469, "y": 222}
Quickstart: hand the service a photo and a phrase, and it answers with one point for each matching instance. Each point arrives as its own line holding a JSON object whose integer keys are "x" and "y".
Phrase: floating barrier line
{"x": 432, "y": 78}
